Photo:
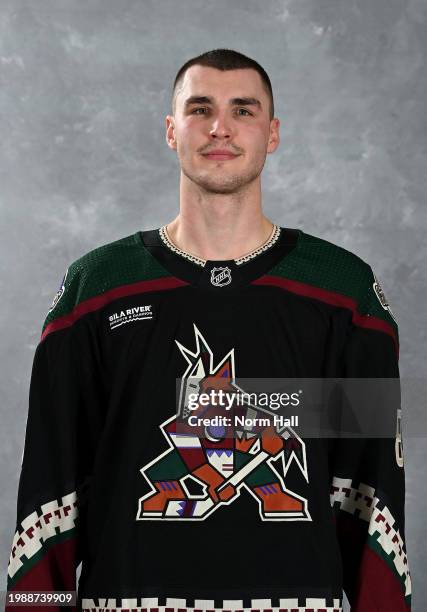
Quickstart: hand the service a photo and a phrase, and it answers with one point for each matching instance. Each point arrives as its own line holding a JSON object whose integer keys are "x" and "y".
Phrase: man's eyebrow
{"x": 232, "y": 101}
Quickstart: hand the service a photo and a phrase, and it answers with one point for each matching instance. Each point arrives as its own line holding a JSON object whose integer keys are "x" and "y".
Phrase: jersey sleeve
{"x": 64, "y": 419}
{"x": 368, "y": 481}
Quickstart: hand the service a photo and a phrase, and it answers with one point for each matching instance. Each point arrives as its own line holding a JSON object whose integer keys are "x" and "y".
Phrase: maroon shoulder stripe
{"x": 94, "y": 303}
{"x": 333, "y": 298}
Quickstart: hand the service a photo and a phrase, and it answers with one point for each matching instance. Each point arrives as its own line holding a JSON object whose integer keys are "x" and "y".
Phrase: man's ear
{"x": 274, "y": 138}
{"x": 170, "y": 132}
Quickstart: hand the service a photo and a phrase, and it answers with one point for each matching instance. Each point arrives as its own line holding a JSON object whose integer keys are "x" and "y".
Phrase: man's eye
{"x": 202, "y": 108}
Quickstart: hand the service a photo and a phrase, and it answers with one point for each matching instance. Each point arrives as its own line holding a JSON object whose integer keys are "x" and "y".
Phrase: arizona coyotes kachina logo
{"x": 220, "y": 461}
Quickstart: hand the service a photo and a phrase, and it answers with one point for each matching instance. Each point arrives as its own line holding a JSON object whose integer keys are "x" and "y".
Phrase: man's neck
{"x": 220, "y": 226}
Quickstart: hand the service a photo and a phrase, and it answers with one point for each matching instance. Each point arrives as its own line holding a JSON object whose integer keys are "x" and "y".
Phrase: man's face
{"x": 226, "y": 121}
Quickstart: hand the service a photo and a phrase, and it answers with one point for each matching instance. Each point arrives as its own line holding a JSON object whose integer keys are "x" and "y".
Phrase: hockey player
{"x": 278, "y": 521}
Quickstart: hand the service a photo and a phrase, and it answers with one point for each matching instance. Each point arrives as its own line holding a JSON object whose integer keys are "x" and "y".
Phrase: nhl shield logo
{"x": 220, "y": 276}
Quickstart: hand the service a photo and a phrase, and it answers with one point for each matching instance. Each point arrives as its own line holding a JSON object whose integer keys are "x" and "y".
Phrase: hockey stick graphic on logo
{"x": 244, "y": 471}
{"x": 198, "y": 508}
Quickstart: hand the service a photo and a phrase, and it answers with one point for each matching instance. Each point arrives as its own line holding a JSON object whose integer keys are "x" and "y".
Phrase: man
{"x": 168, "y": 497}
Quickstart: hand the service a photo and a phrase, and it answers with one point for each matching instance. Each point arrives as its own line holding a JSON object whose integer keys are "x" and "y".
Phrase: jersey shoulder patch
{"x": 379, "y": 292}
{"x": 59, "y": 293}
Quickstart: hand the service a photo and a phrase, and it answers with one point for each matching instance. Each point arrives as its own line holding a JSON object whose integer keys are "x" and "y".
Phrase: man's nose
{"x": 221, "y": 127}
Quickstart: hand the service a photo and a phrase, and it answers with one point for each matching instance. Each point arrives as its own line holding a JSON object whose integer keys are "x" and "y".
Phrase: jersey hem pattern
{"x": 203, "y": 605}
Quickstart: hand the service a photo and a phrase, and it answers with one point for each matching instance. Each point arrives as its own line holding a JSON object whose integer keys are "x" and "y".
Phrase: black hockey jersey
{"x": 165, "y": 516}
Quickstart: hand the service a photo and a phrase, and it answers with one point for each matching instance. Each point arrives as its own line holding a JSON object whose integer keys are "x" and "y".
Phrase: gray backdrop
{"x": 85, "y": 87}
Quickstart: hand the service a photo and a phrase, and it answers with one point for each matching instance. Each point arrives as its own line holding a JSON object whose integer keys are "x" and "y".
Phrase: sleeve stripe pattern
{"x": 171, "y": 603}
{"x": 55, "y": 522}
{"x": 333, "y": 298}
{"x": 97, "y": 302}
{"x": 383, "y": 539}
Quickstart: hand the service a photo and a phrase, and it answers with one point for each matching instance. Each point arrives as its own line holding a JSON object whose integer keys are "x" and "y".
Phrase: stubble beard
{"x": 216, "y": 181}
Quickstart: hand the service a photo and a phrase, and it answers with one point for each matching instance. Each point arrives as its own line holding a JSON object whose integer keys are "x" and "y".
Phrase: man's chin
{"x": 228, "y": 186}
{"x": 220, "y": 181}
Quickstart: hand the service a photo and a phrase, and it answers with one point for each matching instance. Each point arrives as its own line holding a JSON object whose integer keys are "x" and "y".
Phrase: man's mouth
{"x": 219, "y": 156}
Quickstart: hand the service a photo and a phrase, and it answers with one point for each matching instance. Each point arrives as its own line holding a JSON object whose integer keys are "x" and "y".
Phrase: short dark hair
{"x": 224, "y": 59}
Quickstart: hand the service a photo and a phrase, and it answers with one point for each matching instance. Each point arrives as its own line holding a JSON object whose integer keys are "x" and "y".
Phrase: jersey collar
{"x": 223, "y": 275}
